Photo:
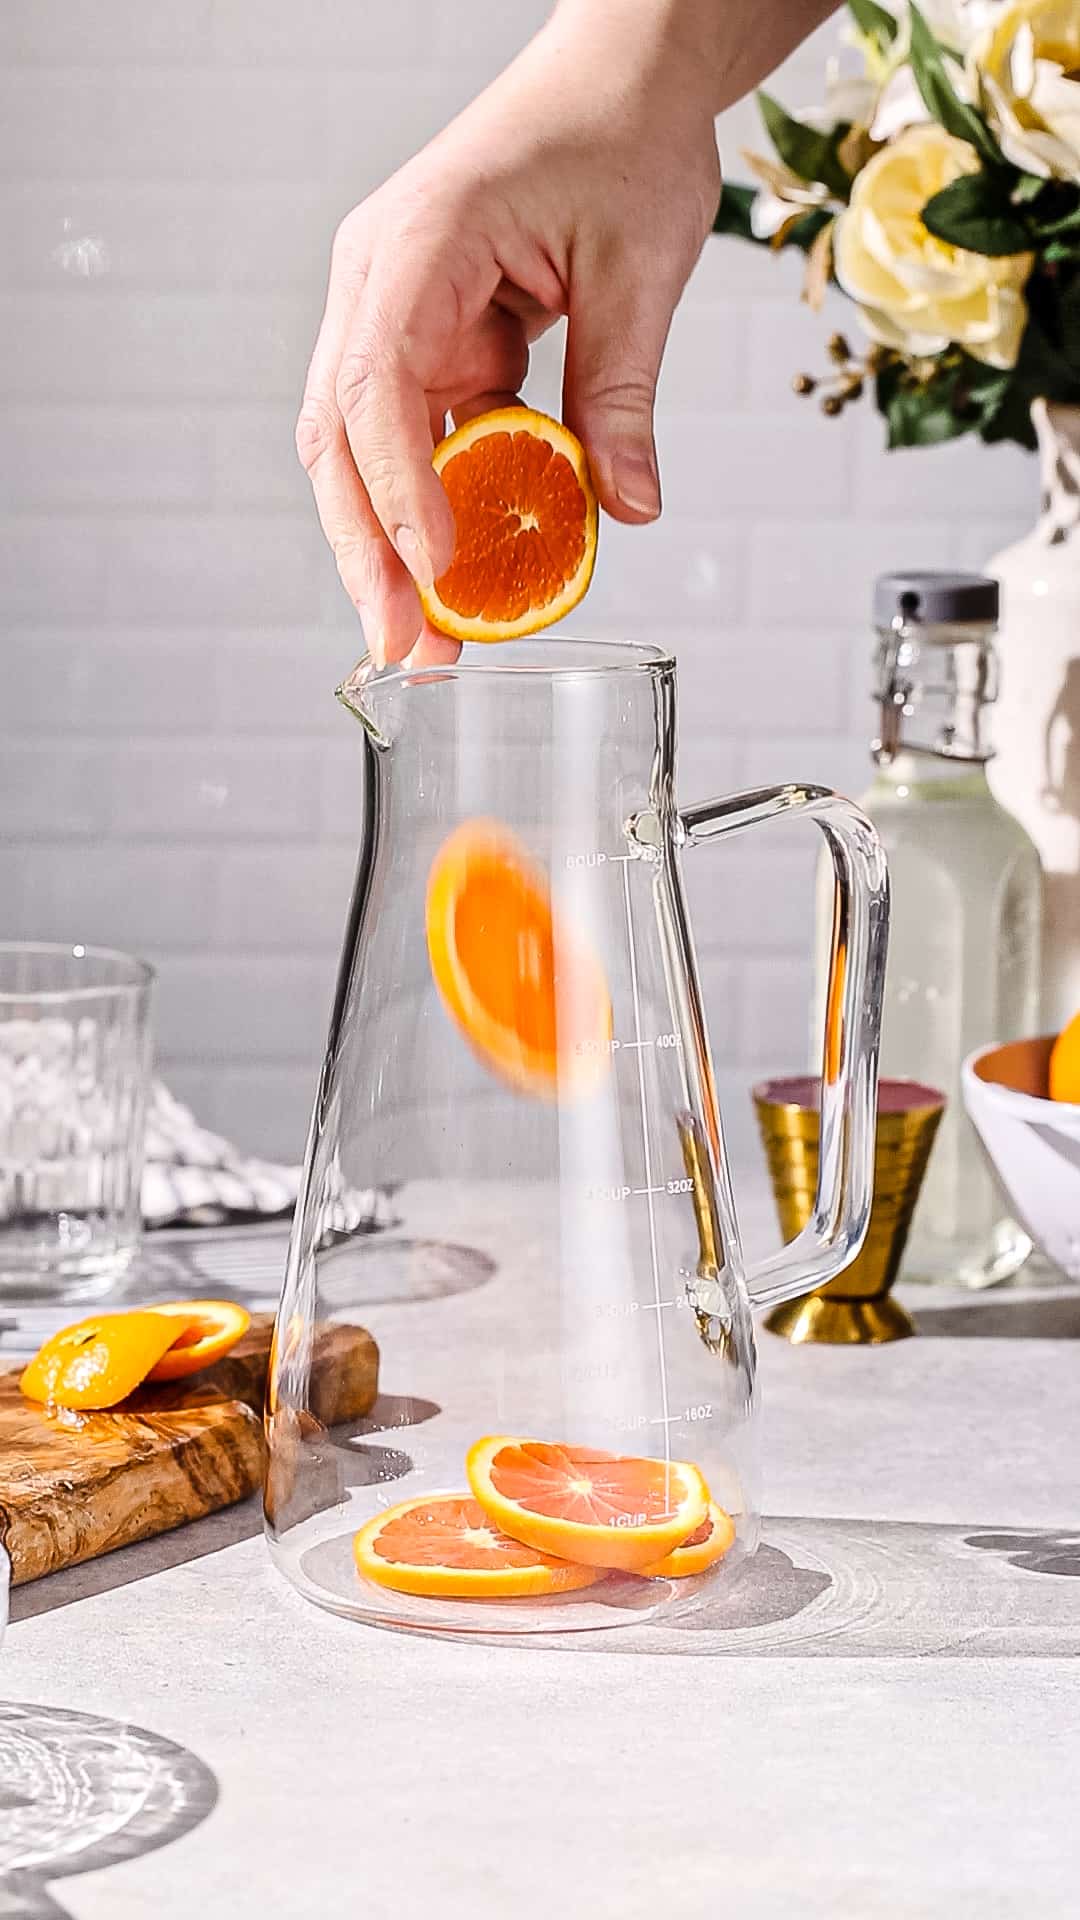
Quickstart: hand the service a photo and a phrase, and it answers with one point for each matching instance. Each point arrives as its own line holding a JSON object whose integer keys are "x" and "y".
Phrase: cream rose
{"x": 1028, "y": 63}
{"x": 916, "y": 293}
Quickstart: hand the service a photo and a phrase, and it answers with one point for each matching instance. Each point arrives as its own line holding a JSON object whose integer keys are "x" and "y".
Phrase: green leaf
{"x": 809, "y": 154}
{"x": 1028, "y": 188}
{"x": 1011, "y": 420}
{"x": 941, "y": 98}
{"x": 1067, "y": 227}
{"x": 877, "y": 23}
{"x": 733, "y": 213}
{"x": 975, "y": 212}
{"x": 1049, "y": 364}
{"x": 917, "y": 418}
{"x": 961, "y": 396}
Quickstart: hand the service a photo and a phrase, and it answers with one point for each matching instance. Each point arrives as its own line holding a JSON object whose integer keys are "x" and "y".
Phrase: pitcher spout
{"x": 353, "y": 695}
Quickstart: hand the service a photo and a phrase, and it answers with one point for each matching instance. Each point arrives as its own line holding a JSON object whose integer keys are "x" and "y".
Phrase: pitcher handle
{"x": 837, "y": 1227}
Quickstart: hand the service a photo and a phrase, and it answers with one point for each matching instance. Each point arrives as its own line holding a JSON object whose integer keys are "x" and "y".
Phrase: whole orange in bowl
{"x": 1018, "y": 1098}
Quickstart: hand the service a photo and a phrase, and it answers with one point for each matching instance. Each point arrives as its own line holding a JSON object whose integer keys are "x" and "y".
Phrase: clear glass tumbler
{"x": 74, "y": 1072}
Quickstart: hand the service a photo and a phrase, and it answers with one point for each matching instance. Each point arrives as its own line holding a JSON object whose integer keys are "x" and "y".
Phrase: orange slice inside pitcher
{"x": 706, "y": 1545}
{"x": 97, "y": 1362}
{"x": 602, "y": 1509}
{"x": 525, "y": 989}
{"x": 446, "y": 1546}
{"x": 525, "y": 518}
{"x": 206, "y": 1329}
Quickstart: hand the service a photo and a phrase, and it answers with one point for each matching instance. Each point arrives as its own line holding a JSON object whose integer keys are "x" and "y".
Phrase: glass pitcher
{"x": 518, "y": 1050}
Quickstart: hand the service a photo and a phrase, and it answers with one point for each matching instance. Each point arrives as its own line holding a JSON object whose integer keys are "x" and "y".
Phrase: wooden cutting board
{"x": 75, "y": 1485}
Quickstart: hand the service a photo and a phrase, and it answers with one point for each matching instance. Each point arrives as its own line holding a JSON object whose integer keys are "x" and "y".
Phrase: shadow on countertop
{"x": 1014, "y": 1316}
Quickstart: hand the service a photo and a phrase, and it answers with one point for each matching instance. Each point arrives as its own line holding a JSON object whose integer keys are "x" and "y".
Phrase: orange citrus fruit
{"x": 707, "y": 1544}
{"x": 445, "y": 1545}
{"x": 98, "y": 1362}
{"x": 602, "y": 1509}
{"x": 208, "y": 1328}
{"x": 524, "y": 987}
{"x": 525, "y": 519}
{"x": 1065, "y": 1063}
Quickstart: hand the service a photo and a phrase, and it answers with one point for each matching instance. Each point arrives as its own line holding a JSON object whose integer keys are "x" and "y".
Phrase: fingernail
{"x": 414, "y": 554}
{"x": 636, "y": 483}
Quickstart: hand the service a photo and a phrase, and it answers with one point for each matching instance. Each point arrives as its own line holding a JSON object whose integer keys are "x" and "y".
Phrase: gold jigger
{"x": 856, "y": 1308}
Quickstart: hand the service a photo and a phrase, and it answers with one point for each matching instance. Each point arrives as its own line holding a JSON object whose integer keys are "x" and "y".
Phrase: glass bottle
{"x": 966, "y": 899}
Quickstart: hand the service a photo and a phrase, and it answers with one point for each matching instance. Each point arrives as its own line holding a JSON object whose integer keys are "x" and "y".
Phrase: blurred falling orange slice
{"x": 525, "y": 515}
{"x": 707, "y": 1544}
{"x": 602, "y": 1509}
{"x": 447, "y": 1547}
{"x": 525, "y": 989}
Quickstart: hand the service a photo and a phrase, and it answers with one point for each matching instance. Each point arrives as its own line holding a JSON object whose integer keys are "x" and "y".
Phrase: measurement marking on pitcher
{"x": 664, "y": 1042}
{"x": 596, "y": 857}
{"x": 650, "y": 1187}
{"x": 679, "y": 1185}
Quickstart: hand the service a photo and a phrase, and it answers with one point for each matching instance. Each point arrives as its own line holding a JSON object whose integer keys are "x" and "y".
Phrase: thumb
{"x": 618, "y": 327}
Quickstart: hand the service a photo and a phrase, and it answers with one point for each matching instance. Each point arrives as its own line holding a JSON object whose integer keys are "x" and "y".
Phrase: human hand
{"x": 582, "y": 183}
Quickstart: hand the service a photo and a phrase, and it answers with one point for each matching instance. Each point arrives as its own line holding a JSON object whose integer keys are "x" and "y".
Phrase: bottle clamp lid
{"x": 933, "y": 686}
{"x": 933, "y": 599}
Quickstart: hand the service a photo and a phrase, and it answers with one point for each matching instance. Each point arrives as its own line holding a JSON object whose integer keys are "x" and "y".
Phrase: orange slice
{"x": 707, "y": 1544}
{"x": 525, "y": 515}
{"x": 446, "y": 1546}
{"x": 527, "y": 992}
{"x": 602, "y": 1509}
{"x": 1065, "y": 1063}
{"x": 98, "y": 1362}
{"x": 208, "y": 1328}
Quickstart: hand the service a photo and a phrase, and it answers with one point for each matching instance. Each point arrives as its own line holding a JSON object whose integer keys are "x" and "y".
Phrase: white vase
{"x": 1036, "y": 769}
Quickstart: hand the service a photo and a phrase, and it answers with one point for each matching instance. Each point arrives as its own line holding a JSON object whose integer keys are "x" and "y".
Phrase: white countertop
{"x": 885, "y": 1721}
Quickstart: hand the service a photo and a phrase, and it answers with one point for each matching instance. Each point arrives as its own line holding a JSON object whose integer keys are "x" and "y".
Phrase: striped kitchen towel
{"x": 195, "y": 1178}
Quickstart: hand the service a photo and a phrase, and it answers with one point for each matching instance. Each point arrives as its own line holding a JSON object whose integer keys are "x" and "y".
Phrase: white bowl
{"x": 1033, "y": 1143}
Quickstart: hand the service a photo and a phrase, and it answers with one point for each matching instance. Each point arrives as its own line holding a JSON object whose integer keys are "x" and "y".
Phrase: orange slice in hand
{"x": 447, "y": 1547}
{"x": 602, "y": 1509}
{"x": 1065, "y": 1063}
{"x": 707, "y": 1544}
{"x": 98, "y": 1362}
{"x": 525, "y": 989}
{"x": 205, "y": 1330}
{"x": 525, "y": 515}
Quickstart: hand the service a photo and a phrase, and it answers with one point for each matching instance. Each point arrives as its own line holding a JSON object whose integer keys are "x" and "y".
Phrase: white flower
{"x": 849, "y": 97}
{"x": 956, "y": 22}
{"x": 900, "y": 105}
{"x": 917, "y": 293}
{"x": 1028, "y": 63}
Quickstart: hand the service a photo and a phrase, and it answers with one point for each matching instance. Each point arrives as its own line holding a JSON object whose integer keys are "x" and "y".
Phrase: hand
{"x": 583, "y": 182}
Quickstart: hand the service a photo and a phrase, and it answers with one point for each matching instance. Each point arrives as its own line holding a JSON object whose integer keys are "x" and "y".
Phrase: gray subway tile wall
{"x": 174, "y": 773}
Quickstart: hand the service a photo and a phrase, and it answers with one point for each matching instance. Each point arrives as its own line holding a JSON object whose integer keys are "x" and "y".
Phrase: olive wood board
{"x": 75, "y": 1485}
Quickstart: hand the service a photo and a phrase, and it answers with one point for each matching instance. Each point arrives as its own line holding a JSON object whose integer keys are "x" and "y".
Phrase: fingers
{"x": 434, "y": 650}
{"x": 385, "y": 413}
{"x": 466, "y": 410}
{"x": 618, "y": 328}
{"x": 373, "y": 576}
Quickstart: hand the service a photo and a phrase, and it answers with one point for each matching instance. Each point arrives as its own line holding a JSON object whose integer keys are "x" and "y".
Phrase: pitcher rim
{"x": 580, "y": 662}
